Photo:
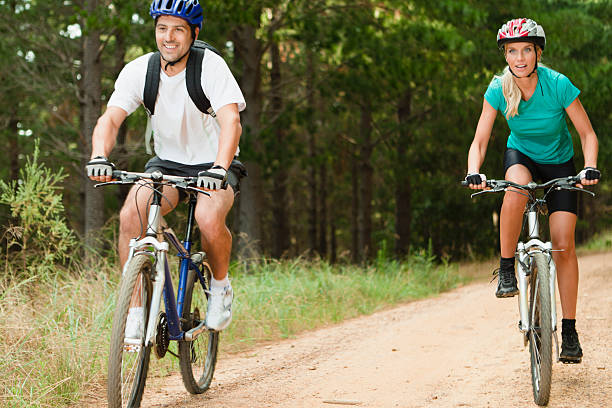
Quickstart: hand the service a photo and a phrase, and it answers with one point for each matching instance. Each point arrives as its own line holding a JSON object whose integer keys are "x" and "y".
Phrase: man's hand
{"x": 214, "y": 178}
{"x": 589, "y": 176}
{"x": 100, "y": 169}
{"x": 476, "y": 180}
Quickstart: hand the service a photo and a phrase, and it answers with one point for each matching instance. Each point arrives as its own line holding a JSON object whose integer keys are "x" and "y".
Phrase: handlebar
{"x": 562, "y": 183}
{"x": 128, "y": 177}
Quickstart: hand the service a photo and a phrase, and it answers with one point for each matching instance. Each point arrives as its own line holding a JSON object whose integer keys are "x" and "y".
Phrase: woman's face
{"x": 521, "y": 57}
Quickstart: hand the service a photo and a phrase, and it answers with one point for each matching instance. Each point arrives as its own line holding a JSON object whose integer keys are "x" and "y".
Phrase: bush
{"x": 40, "y": 233}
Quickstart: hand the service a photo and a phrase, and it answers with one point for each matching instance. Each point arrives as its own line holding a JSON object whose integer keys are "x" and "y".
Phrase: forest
{"x": 359, "y": 117}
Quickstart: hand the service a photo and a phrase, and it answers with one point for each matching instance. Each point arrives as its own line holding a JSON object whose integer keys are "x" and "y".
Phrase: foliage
{"x": 338, "y": 60}
{"x": 41, "y": 236}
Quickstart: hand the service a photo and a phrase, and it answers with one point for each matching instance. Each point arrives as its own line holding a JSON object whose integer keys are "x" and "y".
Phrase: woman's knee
{"x": 565, "y": 247}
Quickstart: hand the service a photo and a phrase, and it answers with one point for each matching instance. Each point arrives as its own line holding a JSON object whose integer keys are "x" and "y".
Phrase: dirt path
{"x": 461, "y": 349}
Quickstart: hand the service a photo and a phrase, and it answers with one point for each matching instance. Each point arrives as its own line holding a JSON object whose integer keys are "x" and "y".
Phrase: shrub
{"x": 41, "y": 234}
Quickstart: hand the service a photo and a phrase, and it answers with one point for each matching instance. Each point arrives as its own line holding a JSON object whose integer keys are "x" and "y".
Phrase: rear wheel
{"x": 128, "y": 364}
{"x": 540, "y": 332}
{"x": 198, "y": 357}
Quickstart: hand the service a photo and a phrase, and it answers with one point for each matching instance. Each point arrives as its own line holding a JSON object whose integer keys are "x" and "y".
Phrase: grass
{"x": 600, "y": 242}
{"x": 54, "y": 334}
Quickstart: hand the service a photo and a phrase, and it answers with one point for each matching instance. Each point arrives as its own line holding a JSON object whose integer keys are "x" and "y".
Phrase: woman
{"x": 535, "y": 101}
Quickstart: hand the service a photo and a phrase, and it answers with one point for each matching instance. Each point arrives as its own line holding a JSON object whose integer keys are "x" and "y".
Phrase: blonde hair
{"x": 512, "y": 93}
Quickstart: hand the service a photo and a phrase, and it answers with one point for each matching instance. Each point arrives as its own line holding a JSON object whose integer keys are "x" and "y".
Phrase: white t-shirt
{"x": 181, "y": 132}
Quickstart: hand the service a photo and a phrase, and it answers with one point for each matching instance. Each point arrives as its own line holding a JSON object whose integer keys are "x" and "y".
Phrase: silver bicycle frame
{"x": 155, "y": 219}
{"x": 525, "y": 251}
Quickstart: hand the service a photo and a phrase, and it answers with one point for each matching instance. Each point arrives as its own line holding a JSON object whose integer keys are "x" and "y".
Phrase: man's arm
{"x": 231, "y": 129}
{"x": 105, "y": 135}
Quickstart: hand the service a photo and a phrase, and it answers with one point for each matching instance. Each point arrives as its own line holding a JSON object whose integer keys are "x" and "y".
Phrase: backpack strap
{"x": 193, "y": 77}
{"x": 150, "y": 95}
{"x": 152, "y": 83}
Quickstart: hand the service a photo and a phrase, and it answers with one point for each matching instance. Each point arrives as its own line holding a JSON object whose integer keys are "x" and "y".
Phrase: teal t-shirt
{"x": 540, "y": 130}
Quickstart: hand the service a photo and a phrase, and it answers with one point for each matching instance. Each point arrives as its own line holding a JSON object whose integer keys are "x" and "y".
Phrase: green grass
{"x": 278, "y": 300}
{"x": 54, "y": 334}
{"x": 600, "y": 242}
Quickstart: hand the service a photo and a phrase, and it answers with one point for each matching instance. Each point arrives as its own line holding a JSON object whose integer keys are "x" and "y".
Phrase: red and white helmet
{"x": 521, "y": 29}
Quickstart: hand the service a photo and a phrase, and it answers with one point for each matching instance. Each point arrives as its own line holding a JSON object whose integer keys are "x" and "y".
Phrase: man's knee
{"x": 128, "y": 217}
{"x": 210, "y": 224}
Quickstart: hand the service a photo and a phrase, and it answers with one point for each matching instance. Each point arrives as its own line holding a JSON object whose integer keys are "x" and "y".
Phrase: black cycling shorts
{"x": 234, "y": 174}
{"x": 561, "y": 200}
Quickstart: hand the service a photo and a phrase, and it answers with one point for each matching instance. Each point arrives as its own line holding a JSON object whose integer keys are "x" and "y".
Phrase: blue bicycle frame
{"x": 162, "y": 281}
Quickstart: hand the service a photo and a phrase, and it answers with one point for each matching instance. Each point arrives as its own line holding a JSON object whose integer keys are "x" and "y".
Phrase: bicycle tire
{"x": 197, "y": 358}
{"x": 540, "y": 333}
{"x": 125, "y": 389}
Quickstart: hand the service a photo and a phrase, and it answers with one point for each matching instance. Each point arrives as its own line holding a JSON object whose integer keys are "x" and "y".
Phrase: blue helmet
{"x": 189, "y": 10}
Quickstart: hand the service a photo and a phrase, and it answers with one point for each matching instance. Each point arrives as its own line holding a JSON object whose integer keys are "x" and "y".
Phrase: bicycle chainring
{"x": 162, "y": 339}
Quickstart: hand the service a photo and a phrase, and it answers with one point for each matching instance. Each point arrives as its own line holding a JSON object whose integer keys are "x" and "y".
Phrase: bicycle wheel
{"x": 128, "y": 364}
{"x": 540, "y": 333}
{"x": 197, "y": 358}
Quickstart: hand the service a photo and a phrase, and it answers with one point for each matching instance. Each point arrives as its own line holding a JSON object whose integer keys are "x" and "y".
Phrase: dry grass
{"x": 54, "y": 337}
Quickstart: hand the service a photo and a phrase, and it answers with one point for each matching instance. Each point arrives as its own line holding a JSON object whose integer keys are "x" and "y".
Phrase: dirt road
{"x": 461, "y": 349}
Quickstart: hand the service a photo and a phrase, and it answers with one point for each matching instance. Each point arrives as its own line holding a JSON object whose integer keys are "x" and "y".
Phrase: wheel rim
{"x": 133, "y": 358}
{"x": 535, "y": 338}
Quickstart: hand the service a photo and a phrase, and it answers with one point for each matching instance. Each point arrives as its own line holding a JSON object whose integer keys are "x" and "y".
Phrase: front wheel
{"x": 128, "y": 364}
{"x": 540, "y": 332}
{"x": 197, "y": 358}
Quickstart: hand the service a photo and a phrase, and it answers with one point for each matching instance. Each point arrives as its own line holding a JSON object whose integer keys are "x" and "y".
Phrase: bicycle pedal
{"x": 198, "y": 257}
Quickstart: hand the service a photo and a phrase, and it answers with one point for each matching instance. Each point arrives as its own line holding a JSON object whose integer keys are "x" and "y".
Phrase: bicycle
{"x": 184, "y": 317}
{"x": 536, "y": 281}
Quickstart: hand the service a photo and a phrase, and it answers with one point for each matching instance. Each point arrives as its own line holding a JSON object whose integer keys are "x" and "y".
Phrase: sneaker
{"x": 571, "y": 352}
{"x": 219, "y": 312}
{"x": 506, "y": 282}
{"x": 134, "y": 326}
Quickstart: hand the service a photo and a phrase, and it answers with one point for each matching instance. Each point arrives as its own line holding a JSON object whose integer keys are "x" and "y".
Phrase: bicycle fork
{"x": 523, "y": 282}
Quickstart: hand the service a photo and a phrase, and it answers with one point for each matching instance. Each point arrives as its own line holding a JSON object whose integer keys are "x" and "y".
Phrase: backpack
{"x": 193, "y": 80}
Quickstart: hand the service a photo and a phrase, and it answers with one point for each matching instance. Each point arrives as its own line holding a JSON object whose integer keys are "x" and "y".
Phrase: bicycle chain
{"x": 162, "y": 340}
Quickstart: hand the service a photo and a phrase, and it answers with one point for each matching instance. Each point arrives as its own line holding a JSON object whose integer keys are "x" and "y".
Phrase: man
{"x": 187, "y": 143}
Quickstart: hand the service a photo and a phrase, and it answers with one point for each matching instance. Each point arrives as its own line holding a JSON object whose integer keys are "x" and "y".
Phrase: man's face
{"x": 173, "y": 37}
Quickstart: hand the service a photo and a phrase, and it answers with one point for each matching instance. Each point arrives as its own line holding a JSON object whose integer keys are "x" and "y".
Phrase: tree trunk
{"x": 248, "y": 50}
{"x": 90, "y": 92}
{"x": 365, "y": 187}
{"x": 13, "y": 149}
{"x": 322, "y": 247}
{"x": 312, "y": 152}
{"x": 355, "y": 252}
{"x": 280, "y": 224}
{"x": 120, "y": 152}
{"x": 403, "y": 193}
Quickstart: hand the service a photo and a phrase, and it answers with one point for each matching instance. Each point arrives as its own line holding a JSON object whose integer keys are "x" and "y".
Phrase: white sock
{"x": 220, "y": 284}
{"x": 136, "y": 310}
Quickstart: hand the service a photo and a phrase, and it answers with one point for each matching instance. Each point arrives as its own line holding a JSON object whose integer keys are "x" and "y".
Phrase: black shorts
{"x": 562, "y": 200}
{"x": 234, "y": 174}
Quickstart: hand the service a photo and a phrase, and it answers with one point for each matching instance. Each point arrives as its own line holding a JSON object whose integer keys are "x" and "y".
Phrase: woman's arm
{"x": 478, "y": 149}
{"x": 588, "y": 138}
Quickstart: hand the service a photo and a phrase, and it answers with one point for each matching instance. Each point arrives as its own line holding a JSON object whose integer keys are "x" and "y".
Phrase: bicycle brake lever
{"x": 109, "y": 182}
{"x": 492, "y": 190}
{"x": 583, "y": 190}
{"x": 197, "y": 190}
